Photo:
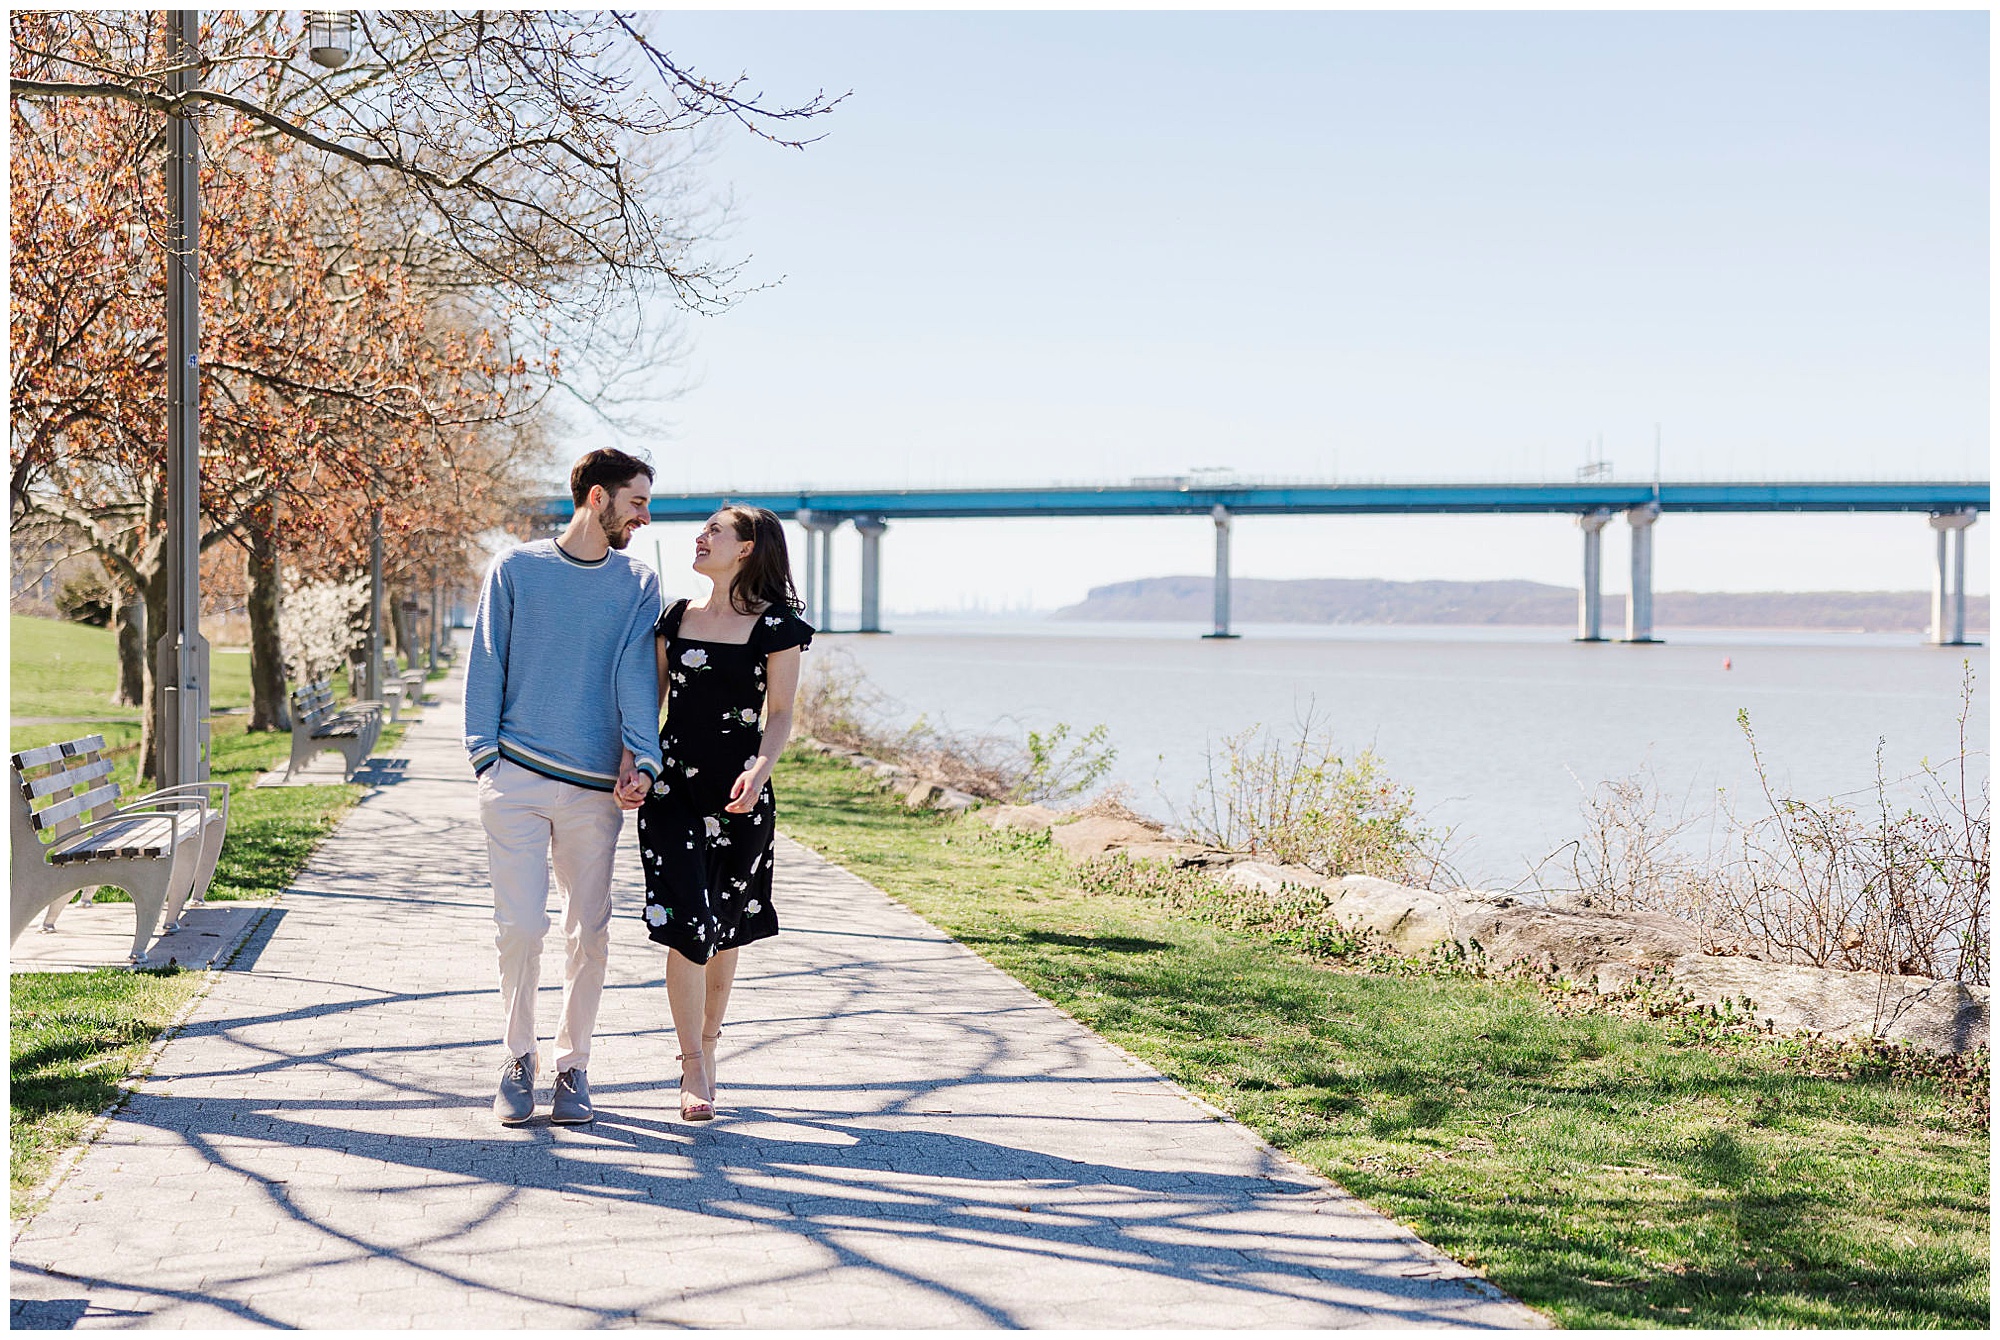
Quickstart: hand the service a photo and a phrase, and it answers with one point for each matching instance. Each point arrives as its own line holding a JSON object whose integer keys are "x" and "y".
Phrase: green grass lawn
{"x": 64, "y": 669}
{"x": 75, "y": 1035}
{"x": 1599, "y": 1168}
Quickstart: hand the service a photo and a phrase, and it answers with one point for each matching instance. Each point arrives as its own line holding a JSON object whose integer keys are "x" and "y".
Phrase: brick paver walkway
{"x": 908, "y": 1139}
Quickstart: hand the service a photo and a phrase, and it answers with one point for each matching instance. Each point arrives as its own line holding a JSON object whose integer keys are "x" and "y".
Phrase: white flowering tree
{"x": 320, "y": 625}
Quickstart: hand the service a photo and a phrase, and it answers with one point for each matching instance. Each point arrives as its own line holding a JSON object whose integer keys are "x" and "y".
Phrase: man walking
{"x": 560, "y": 682}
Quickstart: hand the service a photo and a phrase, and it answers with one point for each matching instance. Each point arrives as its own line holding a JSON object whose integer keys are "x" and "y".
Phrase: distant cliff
{"x": 1352, "y": 601}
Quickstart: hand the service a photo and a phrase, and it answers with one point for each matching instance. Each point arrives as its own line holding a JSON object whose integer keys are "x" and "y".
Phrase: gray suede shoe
{"x": 515, "y": 1102}
{"x": 572, "y": 1101}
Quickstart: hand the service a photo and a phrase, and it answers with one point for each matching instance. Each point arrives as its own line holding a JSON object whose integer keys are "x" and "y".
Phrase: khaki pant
{"x": 530, "y": 818}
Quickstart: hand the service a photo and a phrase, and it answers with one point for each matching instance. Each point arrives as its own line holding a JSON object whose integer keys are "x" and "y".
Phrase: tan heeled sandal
{"x": 694, "y": 1107}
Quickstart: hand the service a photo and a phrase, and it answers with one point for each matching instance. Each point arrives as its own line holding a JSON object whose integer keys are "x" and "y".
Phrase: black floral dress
{"x": 708, "y": 872}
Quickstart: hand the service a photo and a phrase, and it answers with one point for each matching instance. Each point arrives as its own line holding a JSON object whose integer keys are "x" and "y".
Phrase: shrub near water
{"x": 1300, "y": 800}
{"x": 1857, "y": 882}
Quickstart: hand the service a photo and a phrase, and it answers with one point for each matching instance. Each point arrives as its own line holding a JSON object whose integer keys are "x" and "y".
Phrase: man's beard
{"x": 617, "y": 538}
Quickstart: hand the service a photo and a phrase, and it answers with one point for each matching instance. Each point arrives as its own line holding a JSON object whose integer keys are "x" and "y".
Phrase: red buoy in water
{"x": 1725, "y": 663}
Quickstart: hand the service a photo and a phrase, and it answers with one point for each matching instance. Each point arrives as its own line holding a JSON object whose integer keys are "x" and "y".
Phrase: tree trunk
{"x": 267, "y": 657}
{"x": 128, "y": 621}
{"x": 399, "y": 624}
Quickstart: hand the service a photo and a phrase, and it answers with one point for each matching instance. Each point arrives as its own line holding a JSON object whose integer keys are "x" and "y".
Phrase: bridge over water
{"x": 1951, "y": 505}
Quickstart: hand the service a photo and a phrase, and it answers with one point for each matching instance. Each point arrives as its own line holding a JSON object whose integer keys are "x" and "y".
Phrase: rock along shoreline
{"x": 1611, "y": 949}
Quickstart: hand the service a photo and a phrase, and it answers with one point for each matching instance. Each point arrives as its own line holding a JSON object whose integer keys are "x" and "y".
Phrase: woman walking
{"x": 707, "y": 829}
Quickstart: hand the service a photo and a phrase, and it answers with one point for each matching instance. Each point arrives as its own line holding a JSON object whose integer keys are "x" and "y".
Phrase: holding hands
{"x": 630, "y": 793}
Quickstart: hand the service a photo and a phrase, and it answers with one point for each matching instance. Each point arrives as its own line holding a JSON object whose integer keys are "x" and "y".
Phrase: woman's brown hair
{"x": 766, "y": 575}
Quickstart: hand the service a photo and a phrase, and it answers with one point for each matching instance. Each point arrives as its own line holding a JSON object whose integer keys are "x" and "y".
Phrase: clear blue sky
{"x": 1042, "y": 246}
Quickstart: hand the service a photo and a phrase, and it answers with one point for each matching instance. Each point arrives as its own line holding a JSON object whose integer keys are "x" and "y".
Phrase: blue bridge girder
{"x": 1952, "y": 505}
{"x": 1201, "y": 499}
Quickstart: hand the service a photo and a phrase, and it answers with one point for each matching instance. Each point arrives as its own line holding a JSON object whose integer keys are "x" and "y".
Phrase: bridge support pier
{"x": 818, "y": 590}
{"x": 805, "y": 520}
{"x": 1948, "y": 585}
{"x": 1639, "y": 605}
{"x": 1590, "y": 601}
{"x": 871, "y": 528}
{"x": 1220, "y": 515}
{"x": 824, "y": 604}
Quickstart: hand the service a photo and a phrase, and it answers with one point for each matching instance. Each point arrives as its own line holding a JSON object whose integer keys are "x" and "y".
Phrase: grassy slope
{"x": 1586, "y": 1164}
{"x": 69, "y": 670}
{"x": 74, "y": 1035}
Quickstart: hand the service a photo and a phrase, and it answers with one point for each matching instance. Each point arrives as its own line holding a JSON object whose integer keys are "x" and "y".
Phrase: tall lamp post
{"x": 330, "y": 42}
{"x": 180, "y": 653}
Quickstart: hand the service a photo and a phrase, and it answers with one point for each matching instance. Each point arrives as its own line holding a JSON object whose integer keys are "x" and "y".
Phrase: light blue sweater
{"x": 561, "y": 673}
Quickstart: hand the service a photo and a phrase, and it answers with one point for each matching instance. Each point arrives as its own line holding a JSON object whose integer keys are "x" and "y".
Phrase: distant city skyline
{"x": 1067, "y": 246}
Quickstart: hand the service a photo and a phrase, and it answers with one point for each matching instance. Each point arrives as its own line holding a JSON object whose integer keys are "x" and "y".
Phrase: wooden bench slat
{"x": 91, "y": 745}
{"x": 75, "y": 805}
{"x": 139, "y": 837}
{"x": 35, "y": 758}
{"x": 55, "y": 753}
{"x": 69, "y": 778}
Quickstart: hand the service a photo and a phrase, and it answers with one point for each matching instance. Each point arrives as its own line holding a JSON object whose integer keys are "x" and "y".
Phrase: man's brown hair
{"x": 607, "y": 466}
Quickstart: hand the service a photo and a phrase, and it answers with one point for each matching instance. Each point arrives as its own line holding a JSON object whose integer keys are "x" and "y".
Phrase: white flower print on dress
{"x": 752, "y": 908}
{"x": 772, "y": 621}
{"x": 713, "y": 825}
{"x": 748, "y": 715}
{"x": 690, "y": 770}
{"x": 749, "y": 763}
{"x": 661, "y": 788}
{"x": 655, "y": 915}
{"x": 694, "y": 658}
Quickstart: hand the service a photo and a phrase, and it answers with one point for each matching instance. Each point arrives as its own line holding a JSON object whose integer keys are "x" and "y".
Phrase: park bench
{"x": 413, "y": 685}
{"x": 161, "y": 848}
{"x": 394, "y": 690}
{"x": 401, "y": 690}
{"x": 321, "y": 726}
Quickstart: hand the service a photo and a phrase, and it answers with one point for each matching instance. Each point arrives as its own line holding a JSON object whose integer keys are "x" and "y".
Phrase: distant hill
{"x": 1339, "y": 600}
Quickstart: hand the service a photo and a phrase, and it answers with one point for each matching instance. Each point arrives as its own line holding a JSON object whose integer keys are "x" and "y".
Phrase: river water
{"x": 1495, "y": 730}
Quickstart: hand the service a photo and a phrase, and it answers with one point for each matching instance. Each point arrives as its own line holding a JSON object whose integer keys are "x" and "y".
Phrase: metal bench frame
{"x": 81, "y": 815}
